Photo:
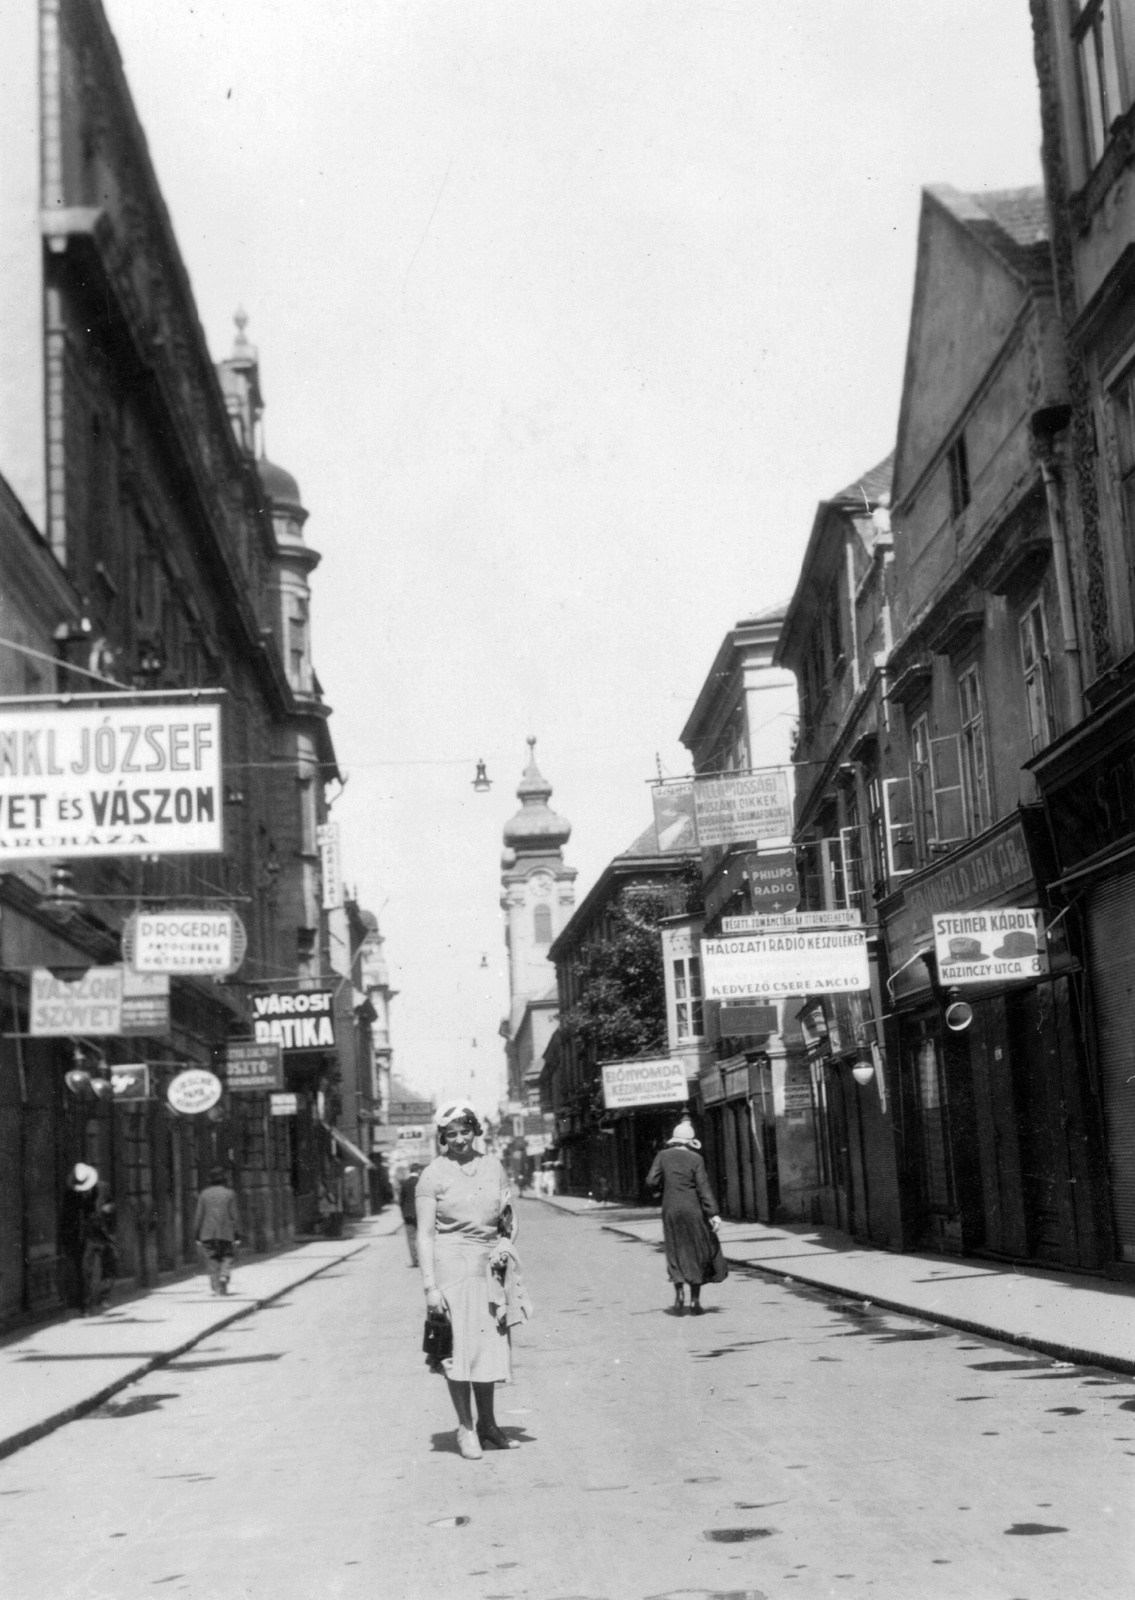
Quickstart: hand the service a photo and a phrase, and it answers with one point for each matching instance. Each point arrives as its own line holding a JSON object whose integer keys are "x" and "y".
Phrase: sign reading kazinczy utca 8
{"x": 295, "y": 1020}
{"x": 110, "y": 781}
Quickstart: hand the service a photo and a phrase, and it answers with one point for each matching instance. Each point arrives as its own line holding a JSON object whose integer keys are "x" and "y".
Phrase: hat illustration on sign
{"x": 82, "y": 1177}
{"x": 967, "y": 950}
{"x": 1018, "y": 943}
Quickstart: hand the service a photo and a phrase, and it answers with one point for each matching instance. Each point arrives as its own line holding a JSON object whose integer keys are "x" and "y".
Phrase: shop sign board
{"x": 283, "y": 1105}
{"x": 807, "y": 961}
{"x": 762, "y": 923}
{"x": 741, "y": 1021}
{"x": 78, "y": 781}
{"x": 145, "y": 1003}
{"x": 414, "y": 1140}
{"x": 251, "y": 1065}
{"x": 741, "y": 808}
{"x": 194, "y": 1091}
{"x": 993, "y": 946}
{"x": 130, "y": 1081}
{"x": 773, "y": 881}
{"x": 646, "y": 1082}
{"x": 191, "y": 943}
{"x": 294, "y": 1019}
{"x": 90, "y": 1003}
{"x": 674, "y": 822}
{"x": 411, "y": 1111}
{"x": 330, "y": 871}
{"x": 711, "y": 1085}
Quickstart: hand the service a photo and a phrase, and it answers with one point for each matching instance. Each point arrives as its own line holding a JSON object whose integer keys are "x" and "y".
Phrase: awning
{"x": 352, "y": 1149}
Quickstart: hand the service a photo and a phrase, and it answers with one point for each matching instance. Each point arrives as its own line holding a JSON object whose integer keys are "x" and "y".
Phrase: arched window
{"x": 542, "y": 922}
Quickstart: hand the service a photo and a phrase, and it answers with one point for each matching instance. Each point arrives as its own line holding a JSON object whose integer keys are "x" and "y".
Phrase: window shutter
{"x": 898, "y": 825}
{"x": 851, "y": 845}
{"x": 946, "y": 786}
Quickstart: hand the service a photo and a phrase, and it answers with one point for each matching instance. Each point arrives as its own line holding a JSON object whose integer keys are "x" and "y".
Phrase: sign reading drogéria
{"x": 110, "y": 781}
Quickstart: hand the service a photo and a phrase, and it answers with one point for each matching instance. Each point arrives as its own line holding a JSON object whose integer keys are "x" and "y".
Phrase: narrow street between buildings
{"x": 787, "y": 1444}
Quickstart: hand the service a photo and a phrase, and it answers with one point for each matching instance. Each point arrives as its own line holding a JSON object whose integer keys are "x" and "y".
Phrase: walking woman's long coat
{"x": 687, "y": 1205}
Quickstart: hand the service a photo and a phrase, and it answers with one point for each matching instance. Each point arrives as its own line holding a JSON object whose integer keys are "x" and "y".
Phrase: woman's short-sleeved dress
{"x": 687, "y": 1204}
{"x": 469, "y": 1199}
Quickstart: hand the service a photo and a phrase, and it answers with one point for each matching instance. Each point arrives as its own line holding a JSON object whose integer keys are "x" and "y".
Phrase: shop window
{"x": 542, "y": 924}
{"x": 689, "y": 1016}
{"x": 1037, "y": 668}
{"x": 957, "y": 464}
{"x": 975, "y": 757}
{"x": 1102, "y": 87}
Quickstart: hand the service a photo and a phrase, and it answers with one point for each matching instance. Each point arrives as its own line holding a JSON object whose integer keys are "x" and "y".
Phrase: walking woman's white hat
{"x": 684, "y": 1134}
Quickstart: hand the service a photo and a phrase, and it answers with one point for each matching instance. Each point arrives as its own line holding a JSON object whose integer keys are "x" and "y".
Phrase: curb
{"x": 39, "y": 1430}
{"x": 1024, "y": 1341}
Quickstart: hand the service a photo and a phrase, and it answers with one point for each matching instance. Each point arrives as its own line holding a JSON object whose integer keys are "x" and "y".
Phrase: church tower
{"x": 537, "y": 897}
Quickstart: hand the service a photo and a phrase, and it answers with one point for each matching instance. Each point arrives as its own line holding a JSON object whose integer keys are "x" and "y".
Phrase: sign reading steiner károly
{"x": 740, "y": 808}
{"x": 995, "y": 946}
{"x": 294, "y": 1019}
{"x": 110, "y": 781}
{"x": 804, "y": 961}
{"x": 647, "y": 1082}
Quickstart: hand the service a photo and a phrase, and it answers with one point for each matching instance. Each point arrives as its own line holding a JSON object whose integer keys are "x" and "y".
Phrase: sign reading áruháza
{"x": 117, "y": 781}
{"x": 295, "y": 1020}
{"x": 249, "y": 1065}
{"x": 88, "y": 1004}
{"x": 995, "y": 946}
{"x": 649, "y": 1082}
{"x": 805, "y": 962}
{"x": 743, "y": 807}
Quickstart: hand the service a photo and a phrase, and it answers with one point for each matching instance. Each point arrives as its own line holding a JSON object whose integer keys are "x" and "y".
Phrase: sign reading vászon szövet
{"x": 650, "y": 1082}
{"x": 808, "y": 961}
{"x": 295, "y": 1020}
{"x": 743, "y": 807}
{"x": 115, "y": 781}
{"x": 90, "y": 1004}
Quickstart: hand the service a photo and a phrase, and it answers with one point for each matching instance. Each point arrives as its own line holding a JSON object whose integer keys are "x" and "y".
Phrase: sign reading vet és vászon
{"x": 804, "y": 961}
{"x": 116, "y": 781}
{"x": 294, "y": 1019}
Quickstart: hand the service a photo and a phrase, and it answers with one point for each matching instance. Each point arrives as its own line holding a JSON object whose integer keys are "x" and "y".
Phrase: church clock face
{"x": 542, "y": 884}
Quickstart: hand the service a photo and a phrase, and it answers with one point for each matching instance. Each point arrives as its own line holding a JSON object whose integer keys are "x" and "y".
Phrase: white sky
{"x": 568, "y": 315}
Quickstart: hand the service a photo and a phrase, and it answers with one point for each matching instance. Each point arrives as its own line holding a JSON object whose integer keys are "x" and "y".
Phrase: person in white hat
{"x": 690, "y": 1219}
{"x": 79, "y": 1247}
{"x": 464, "y": 1206}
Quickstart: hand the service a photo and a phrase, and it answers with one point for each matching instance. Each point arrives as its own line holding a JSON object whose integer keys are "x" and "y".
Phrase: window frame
{"x": 1040, "y": 700}
{"x": 977, "y": 782}
{"x": 1098, "y": 44}
{"x": 689, "y": 999}
{"x": 957, "y": 467}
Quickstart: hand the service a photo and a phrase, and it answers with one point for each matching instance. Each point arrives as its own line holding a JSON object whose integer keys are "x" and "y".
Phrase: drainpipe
{"x": 1046, "y": 424}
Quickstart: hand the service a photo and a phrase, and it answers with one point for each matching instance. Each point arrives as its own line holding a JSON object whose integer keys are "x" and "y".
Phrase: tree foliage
{"x": 621, "y": 1005}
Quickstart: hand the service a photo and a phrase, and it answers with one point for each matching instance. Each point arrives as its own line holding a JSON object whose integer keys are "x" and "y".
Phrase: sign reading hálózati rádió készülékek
{"x": 803, "y": 961}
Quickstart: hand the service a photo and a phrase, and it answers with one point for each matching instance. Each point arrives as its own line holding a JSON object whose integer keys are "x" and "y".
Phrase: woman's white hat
{"x": 82, "y": 1177}
{"x": 452, "y": 1109}
{"x": 684, "y": 1134}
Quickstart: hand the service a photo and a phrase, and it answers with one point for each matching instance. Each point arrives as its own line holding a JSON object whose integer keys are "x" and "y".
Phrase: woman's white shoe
{"x": 468, "y": 1444}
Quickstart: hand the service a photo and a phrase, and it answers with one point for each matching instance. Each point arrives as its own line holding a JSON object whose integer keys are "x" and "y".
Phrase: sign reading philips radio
{"x": 652, "y": 1082}
{"x": 808, "y": 961}
{"x": 250, "y": 1065}
{"x": 743, "y": 807}
{"x": 90, "y": 1004}
{"x": 110, "y": 781}
{"x": 194, "y": 1091}
{"x": 186, "y": 942}
{"x": 989, "y": 946}
{"x": 295, "y": 1020}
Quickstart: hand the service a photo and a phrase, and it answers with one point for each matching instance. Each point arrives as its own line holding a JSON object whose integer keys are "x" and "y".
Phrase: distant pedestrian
{"x": 690, "y": 1219}
{"x": 408, "y": 1207}
{"x": 82, "y": 1237}
{"x": 217, "y": 1229}
{"x": 465, "y": 1218}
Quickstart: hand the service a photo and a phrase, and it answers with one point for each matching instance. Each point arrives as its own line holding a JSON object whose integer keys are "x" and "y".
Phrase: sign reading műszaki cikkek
{"x": 806, "y": 961}
{"x": 739, "y": 808}
{"x": 995, "y": 946}
{"x": 249, "y": 1065}
{"x": 89, "y": 1003}
{"x": 187, "y": 942}
{"x": 649, "y": 1082}
{"x": 110, "y": 781}
{"x": 294, "y": 1019}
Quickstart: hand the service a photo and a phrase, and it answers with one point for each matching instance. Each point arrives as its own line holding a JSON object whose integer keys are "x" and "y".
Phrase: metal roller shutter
{"x": 1111, "y": 936}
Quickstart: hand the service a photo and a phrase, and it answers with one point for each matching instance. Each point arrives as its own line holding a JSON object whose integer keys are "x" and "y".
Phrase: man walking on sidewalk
{"x": 217, "y": 1229}
{"x": 407, "y": 1205}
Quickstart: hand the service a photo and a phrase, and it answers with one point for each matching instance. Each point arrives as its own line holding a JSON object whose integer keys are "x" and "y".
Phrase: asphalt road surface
{"x": 786, "y": 1445}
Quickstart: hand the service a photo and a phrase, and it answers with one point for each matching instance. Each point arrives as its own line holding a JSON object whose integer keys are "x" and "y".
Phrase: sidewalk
{"x": 1061, "y": 1314}
{"x": 61, "y": 1371}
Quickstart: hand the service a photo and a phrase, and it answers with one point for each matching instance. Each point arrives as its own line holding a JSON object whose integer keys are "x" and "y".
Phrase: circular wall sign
{"x": 194, "y": 1091}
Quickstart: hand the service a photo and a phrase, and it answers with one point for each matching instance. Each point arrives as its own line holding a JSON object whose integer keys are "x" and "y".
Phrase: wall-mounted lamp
{"x": 863, "y": 1071}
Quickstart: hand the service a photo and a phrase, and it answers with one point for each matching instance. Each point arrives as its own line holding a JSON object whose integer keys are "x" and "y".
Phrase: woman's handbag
{"x": 718, "y": 1267}
{"x": 437, "y": 1340}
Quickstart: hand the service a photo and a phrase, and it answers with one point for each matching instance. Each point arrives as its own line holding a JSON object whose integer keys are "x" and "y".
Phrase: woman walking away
{"x": 466, "y": 1225}
{"x": 690, "y": 1219}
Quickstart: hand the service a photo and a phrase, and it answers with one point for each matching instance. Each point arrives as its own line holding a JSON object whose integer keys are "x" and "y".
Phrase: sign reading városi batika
{"x": 648, "y": 1082}
{"x": 807, "y": 961}
{"x": 110, "y": 781}
{"x": 995, "y": 946}
{"x": 294, "y": 1019}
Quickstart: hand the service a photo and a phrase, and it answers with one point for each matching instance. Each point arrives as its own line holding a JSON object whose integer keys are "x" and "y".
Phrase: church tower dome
{"x": 535, "y": 828}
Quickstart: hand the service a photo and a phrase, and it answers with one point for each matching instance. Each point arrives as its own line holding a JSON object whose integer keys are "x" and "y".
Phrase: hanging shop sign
{"x": 411, "y": 1111}
{"x": 744, "y": 807}
{"x": 145, "y": 1003}
{"x": 810, "y": 961}
{"x": 295, "y": 1020}
{"x": 761, "y": 923}
{"x": 742, "y": 1021}
{"x": 330, "y": 872}
{"x": 194, "y": 1091}
{"x": 250, "y": 1065}
{"x": 188, "y": 942}
{"x": 130, "y": 1081}
{"x": 674, "y": 820}
{"x": 649, "y": 1082}
{"x": 110, "y": 781}
{"x": 995, "y": 946}
{"x": 283, "y": 1105}
{"x": 88, "y": 1003}
{"x": 773, "y": 881}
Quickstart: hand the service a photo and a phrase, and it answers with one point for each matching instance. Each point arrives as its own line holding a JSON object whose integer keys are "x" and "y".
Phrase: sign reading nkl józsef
{"x": 808, "y": 961}
{"x": 116, "y": 781}
{"x": 294, "y": 1019}
{"x": 649, "y": 1082}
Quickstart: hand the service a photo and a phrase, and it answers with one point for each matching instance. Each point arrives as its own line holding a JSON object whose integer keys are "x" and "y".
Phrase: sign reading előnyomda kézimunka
{"x": 294, "y": 1019}
{"x": 650, "y": 1081}
{"x": 995, "y": 946}
{"x": 792, "y": 961}
{"x": 110, "y": 781}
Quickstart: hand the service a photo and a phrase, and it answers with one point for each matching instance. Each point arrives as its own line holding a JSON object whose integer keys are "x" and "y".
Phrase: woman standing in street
{"x": 690, "y": 1219}
{"x": 461, "y": 1198}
